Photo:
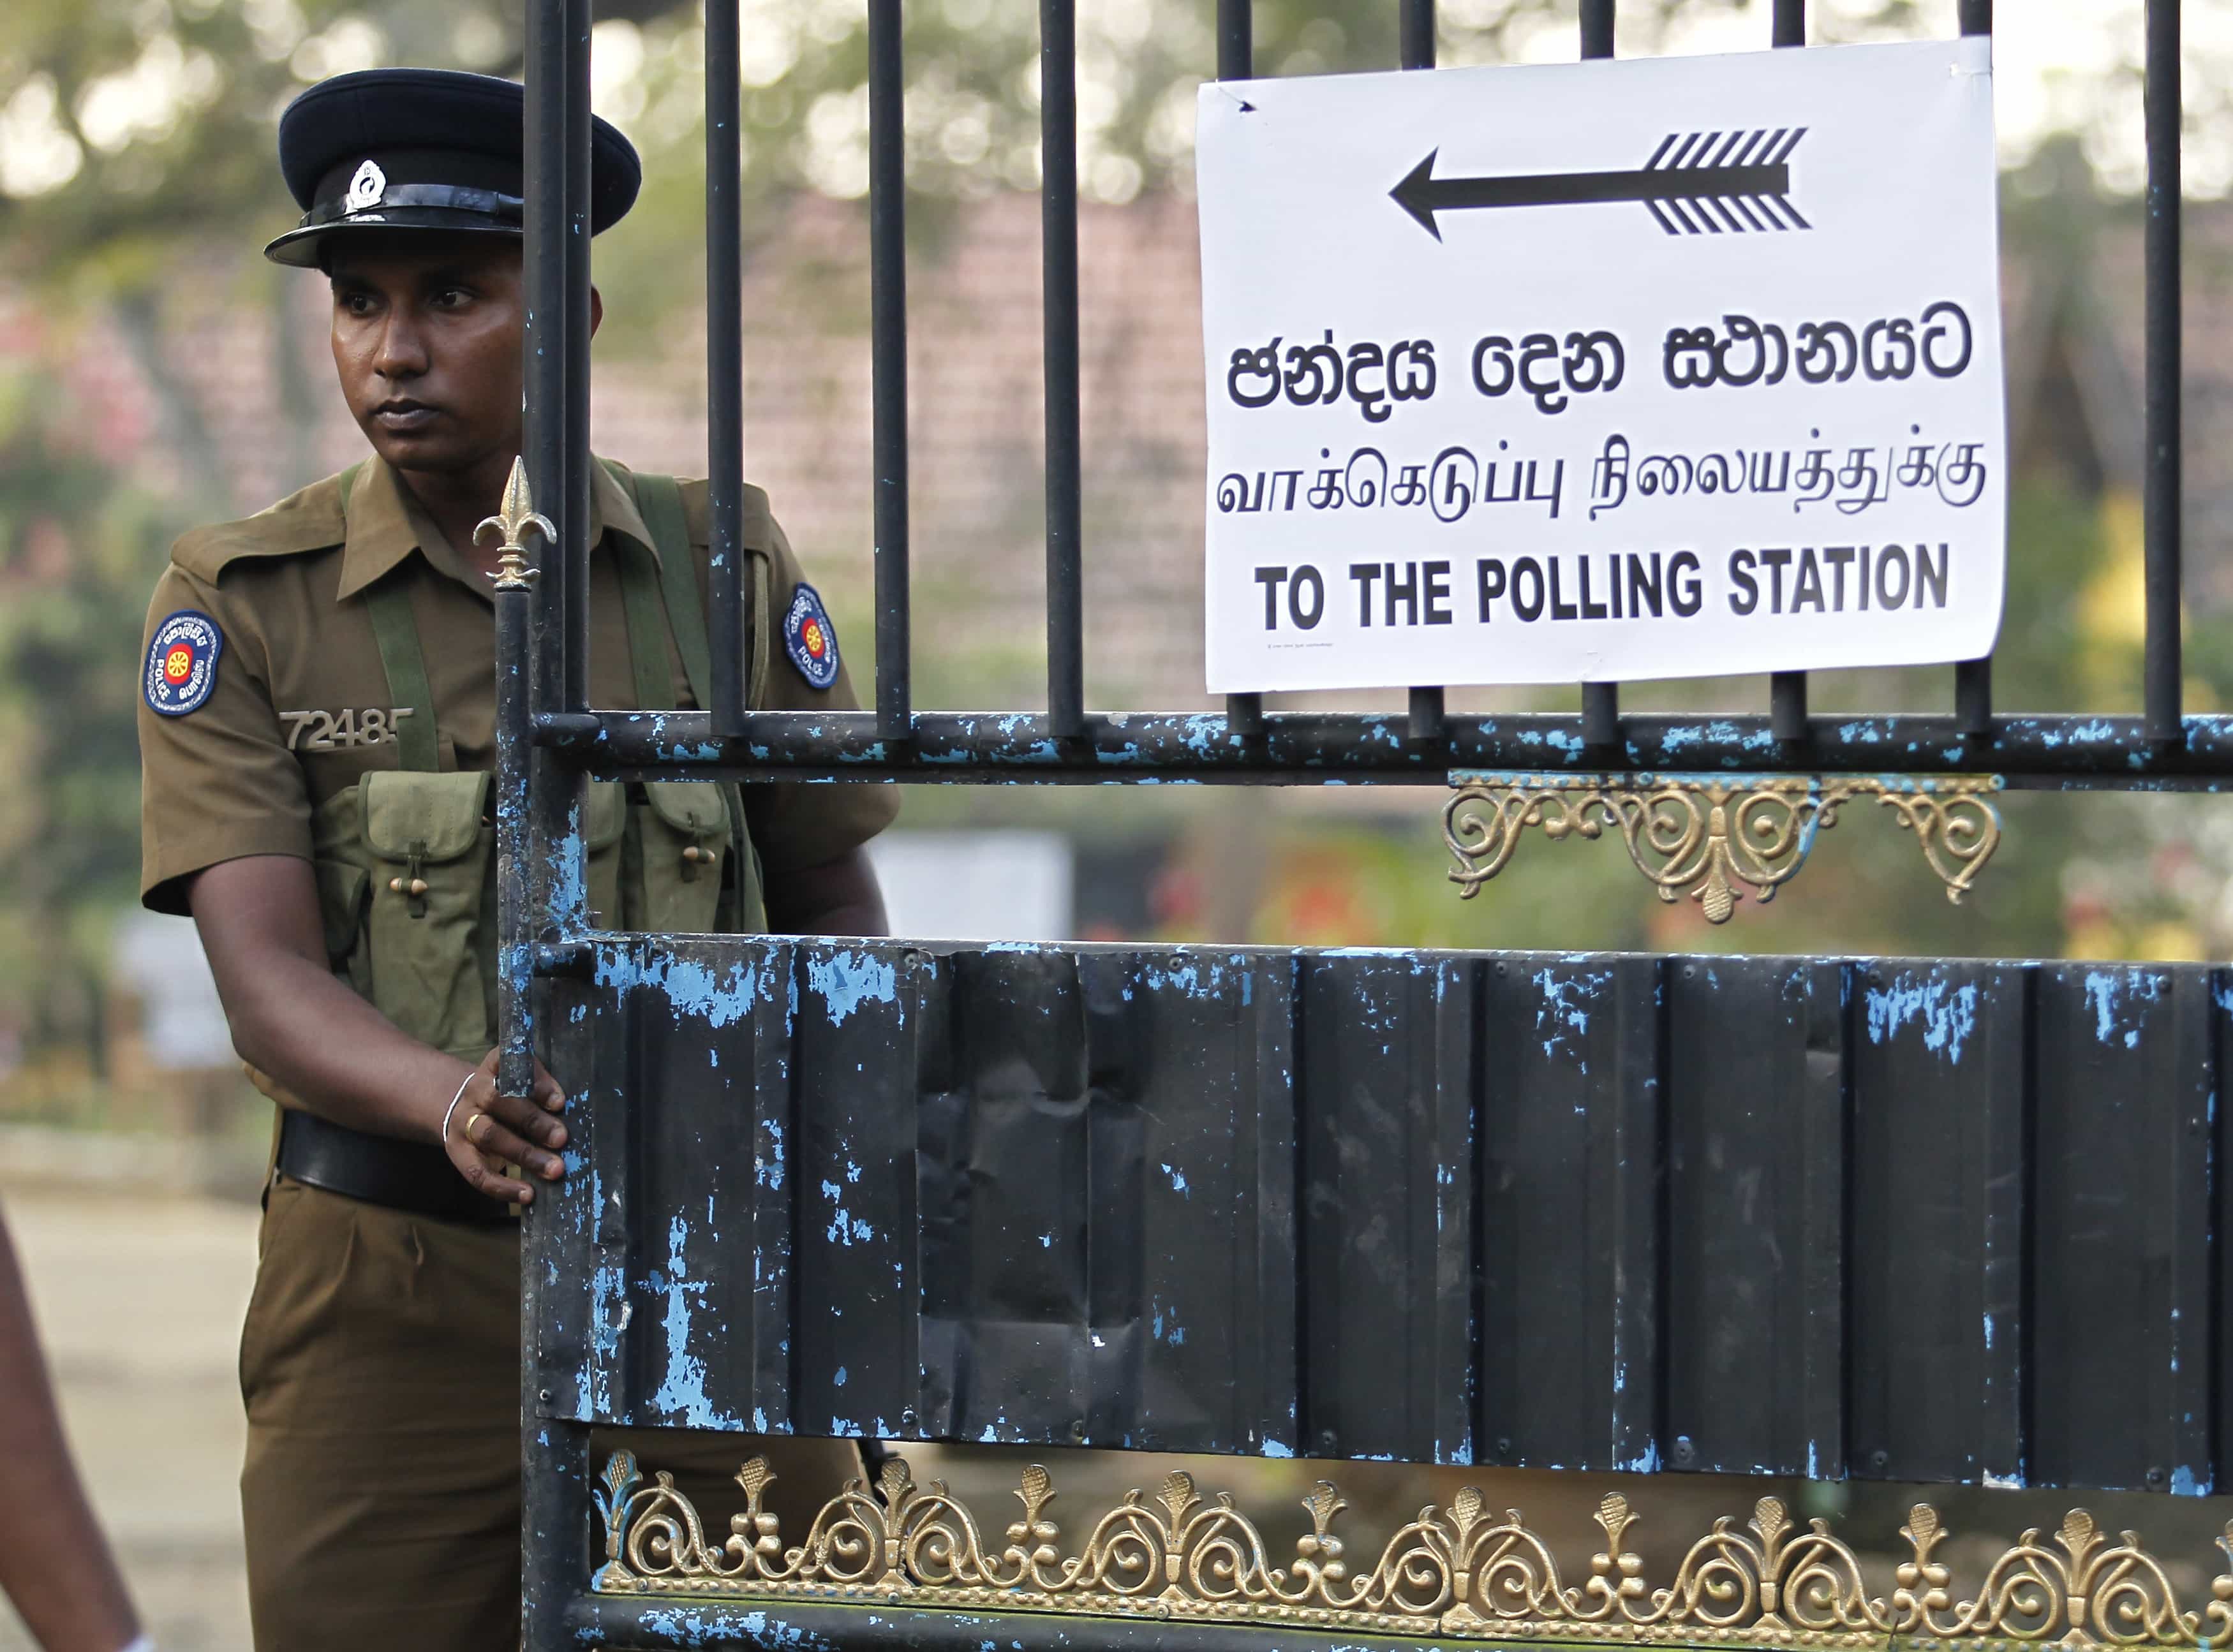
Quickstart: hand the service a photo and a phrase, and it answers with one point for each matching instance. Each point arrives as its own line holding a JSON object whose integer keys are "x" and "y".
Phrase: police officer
{"x": 317, "y": 734}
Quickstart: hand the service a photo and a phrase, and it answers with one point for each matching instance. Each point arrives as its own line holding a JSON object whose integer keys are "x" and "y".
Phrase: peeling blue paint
{"x": 682, "y": 1395}
{"x": 2113, "y": 992}
{"x": 1563, "y": 1013}
{"x": 846, "y": 981}
{"x": 844, "y": 1226}
{"x": 693, "y": 987}
{"x": 1948, "y": 1019}
{"x": 768, "y": 1171}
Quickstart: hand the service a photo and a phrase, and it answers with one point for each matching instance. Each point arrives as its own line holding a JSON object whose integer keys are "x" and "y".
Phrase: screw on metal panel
{"x": 2156, "y": 1477}
{"x": 546, "y": 1397}
{"x": 1328, "y": 1442}
{"x": 1880, "y": 1459}
{"x": 1685, "y": 1453}
{"x": 907, "y": 1418}
{"x": 1078, "y": 1432}
{"x": 1504, "y": 1445}
{"x": 1689, "y": 972}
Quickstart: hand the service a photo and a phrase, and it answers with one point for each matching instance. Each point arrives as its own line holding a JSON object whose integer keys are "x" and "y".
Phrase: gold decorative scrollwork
{"x": 1459, "y": 1572}
{"x": 1713, "y": 836}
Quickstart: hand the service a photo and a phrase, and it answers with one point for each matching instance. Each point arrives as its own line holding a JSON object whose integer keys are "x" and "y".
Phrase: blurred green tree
{"x": 80, "y": 546}
{"x": 128, "y": 126}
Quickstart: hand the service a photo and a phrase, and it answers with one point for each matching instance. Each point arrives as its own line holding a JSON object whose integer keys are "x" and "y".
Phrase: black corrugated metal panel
{"x": 1903, "y": 1220}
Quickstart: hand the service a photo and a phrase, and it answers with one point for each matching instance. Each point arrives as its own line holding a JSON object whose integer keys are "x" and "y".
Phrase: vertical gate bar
{"x": 1417, "y": 48}
{"x": 1597, "y": 28}
{"x": 725, "y": 363}
{"x": 544, "y": 634}
{"x": 514, "y": 599}
{"x": 1416, "y": 43}
{"x": 1787, "y": 706}
{"x": 888, "y": 365}
{"x": 544, "y": 334}
{"x": 1786, "y": 690}
{"x": 556, "y": 237}
{"x": 2163, "y": 482}
{"x": 1058, "y": 262}
{"x": 1601, "y": 714}
{"x": 1972, "y": 697}
{"x": 1973, "y": 679}
{"x": 1236, "y": 61}
{"x": 1236, "y": 40}
{"x": 1425, "y": 714}
{"x": 574, "y": 320}
{"x": 1600, "y": 702}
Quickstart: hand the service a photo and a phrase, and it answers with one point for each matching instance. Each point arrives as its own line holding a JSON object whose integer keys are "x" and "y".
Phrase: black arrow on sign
{"x": 1744, "y": 177}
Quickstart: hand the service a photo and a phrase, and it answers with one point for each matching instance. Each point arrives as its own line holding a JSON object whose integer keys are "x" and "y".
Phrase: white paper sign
{"x": 1664, "y": 368}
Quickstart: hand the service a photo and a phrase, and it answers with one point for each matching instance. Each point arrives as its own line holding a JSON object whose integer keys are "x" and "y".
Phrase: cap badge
{"x": 368, "y": 189}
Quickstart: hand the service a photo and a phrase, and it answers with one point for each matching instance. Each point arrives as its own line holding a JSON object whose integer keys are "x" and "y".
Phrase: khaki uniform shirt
{"x": 300, "y": 708}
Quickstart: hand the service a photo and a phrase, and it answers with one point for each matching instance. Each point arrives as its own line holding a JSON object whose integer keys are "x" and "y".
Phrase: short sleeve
{"x": 216, "y": 781}
{"x": 795, "y": 826}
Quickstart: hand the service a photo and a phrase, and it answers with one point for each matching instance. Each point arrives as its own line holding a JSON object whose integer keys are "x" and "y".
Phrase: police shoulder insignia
{"x": 181, "y": 667}
{"x": 810, "y": 639}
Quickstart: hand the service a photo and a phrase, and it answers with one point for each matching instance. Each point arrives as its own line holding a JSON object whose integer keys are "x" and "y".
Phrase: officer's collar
{"x": 385, "y": 525}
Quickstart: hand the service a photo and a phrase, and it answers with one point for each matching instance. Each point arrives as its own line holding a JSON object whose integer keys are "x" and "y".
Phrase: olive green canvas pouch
{"x": 430, "y": 842}
{"x": 686, "y": 836}
{"x": 604, "y": 823}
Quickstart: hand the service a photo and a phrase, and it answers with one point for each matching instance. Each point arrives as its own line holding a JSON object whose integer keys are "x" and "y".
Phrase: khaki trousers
{"x": 380, "y": 1365}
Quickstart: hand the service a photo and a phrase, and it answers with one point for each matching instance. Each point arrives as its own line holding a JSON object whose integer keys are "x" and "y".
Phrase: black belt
{"x": 414, "y": 1176}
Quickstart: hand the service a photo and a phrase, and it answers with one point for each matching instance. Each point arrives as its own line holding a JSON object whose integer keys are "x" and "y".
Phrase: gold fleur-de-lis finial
{"x": 512, "y": 520}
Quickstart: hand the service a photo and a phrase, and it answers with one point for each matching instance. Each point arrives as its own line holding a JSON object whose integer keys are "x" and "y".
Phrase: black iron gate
{"x": 1836, "y": 1218}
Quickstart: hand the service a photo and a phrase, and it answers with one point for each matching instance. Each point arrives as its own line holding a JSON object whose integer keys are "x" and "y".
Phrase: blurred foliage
{"x": 135, "y": 138}
{"x": 80, "y": 548}
{"x": 129, "y": 127}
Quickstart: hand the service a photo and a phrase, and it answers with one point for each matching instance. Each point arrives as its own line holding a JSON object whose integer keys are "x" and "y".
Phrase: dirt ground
{"x": 139, "y": 1300}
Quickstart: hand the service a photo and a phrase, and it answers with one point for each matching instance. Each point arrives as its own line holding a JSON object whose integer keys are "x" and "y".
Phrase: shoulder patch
{"x": 181, "y": 667}
{"x": 810, "y": 639}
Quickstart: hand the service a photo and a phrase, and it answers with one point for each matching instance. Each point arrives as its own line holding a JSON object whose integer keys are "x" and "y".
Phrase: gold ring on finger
{"x": 478, "y": 1118}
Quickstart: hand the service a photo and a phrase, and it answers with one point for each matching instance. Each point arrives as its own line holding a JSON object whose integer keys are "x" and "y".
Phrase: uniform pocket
{"x": 280, "y": 1269}
{"x": 685, "y": 838}
{"x": 430, "y": 845}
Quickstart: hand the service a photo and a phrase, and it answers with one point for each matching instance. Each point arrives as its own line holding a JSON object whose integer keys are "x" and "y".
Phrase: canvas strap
{"x": 396, "y": 630}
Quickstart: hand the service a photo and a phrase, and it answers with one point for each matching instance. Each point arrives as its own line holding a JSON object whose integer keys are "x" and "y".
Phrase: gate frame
{"x": 551, "y": 739}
